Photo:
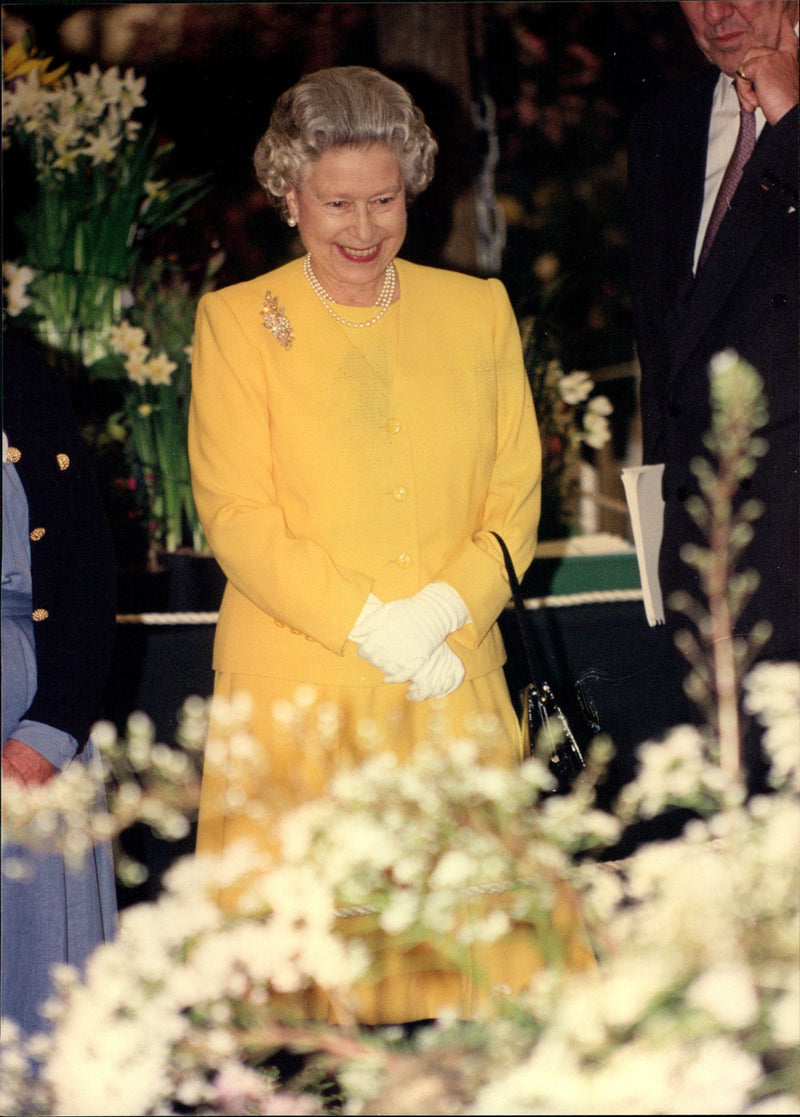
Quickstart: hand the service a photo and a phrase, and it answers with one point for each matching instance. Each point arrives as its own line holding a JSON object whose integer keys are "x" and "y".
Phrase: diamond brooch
{"x": 276, "y": 321}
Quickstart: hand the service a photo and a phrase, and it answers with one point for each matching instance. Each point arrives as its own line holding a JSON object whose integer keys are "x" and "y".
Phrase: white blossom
{"x": 726, "y": 991}
{"x": 160, "y": 369}
{"x": 16, "y": 280}
{"x": 575, "y": 387}
{"x": 596, "y": 430}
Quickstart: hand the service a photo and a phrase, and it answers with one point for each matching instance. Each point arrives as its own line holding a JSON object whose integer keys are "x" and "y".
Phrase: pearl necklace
{"x": 384, "y": 300}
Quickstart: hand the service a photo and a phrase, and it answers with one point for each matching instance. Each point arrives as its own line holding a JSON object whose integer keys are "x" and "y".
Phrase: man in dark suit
{"x": 741, "y": 293}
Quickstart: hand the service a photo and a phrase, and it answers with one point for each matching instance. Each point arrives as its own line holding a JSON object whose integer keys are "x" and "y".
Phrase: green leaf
{"x": 109, "y": 368}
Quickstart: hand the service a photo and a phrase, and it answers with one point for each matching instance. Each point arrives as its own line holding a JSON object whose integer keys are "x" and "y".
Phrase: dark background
{"x": 564, "y": 79}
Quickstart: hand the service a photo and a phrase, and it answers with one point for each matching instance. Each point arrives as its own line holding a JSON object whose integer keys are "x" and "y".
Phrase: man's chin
{"x": 727, "y": 61}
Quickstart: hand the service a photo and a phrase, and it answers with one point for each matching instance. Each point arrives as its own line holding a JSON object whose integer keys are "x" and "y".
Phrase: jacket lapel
{"x": 733, "y": 247}
{"x": 683, "y": 196}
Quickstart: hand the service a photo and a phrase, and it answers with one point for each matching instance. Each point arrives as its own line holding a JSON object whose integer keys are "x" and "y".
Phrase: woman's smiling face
{"x": 351, "y": 215}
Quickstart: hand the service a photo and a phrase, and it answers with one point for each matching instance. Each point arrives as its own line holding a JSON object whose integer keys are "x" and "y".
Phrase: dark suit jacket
{"x": 745, "y": 298}
{"x": 72, "y": 560}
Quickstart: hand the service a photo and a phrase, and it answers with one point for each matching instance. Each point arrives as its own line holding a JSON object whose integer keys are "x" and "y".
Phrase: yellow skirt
{"x": 303, "y": 735}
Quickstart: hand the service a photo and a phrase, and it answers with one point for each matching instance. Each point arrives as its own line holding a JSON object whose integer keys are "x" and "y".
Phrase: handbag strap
{"x": 519, "y": 609}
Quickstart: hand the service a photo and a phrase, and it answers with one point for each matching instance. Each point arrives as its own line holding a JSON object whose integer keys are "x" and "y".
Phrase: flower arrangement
{"x": 148, "y": 353}
{"x": 693, "y": 1007}
{"x": 100, "y": 189}
{"x": 571, "y": 417}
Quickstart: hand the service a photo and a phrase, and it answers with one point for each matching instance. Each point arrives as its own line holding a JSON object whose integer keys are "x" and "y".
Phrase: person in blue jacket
{"x": 58, "y": 614}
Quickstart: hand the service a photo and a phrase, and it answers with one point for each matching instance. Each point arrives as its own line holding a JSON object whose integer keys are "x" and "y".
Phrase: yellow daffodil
{"x": 18, "y": 61}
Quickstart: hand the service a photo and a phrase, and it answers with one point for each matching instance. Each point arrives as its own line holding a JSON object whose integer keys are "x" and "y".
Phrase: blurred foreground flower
{"x": 693, "y": 1009}
{"x": 146, "y": 782}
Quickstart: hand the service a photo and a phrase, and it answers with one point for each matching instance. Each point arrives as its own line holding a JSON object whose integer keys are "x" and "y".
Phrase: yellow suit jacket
{"x": 318, "y": 482}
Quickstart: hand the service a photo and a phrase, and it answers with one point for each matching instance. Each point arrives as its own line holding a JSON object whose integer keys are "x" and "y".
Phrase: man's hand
{"x": 24, "y": 765}
{"x": 772, "y": 76}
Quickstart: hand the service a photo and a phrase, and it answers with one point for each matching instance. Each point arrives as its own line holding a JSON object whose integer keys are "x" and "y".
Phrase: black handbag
{"x": 545, "y": 728}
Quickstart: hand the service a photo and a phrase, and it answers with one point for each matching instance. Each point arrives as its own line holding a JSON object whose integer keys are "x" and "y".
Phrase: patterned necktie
{"x": 745, "y": 142}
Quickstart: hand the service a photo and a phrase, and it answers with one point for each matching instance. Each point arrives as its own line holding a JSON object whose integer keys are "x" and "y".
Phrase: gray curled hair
{"x": 344, "y": 106}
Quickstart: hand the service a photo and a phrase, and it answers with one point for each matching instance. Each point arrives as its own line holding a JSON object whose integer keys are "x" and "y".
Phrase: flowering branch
{"x": 738, "y": 411}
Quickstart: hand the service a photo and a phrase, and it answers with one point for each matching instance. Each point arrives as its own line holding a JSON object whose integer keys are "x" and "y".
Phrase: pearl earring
{"x": 291, "y": 222}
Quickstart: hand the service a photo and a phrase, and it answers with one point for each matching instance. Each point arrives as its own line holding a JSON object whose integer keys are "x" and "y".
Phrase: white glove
{"x": 366, "y": 620}
{"x": 442, "y": 674}
{"x": 406, "y": 632}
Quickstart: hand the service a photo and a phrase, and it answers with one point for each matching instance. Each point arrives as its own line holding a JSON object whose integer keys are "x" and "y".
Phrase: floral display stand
{"x": 93, "y": 282}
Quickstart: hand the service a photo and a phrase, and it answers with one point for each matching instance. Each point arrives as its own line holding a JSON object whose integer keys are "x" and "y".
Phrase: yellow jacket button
{"x": 404, "y": 560}
{"x": 37, "y": 534}
{"x": 13, "y": 455}
{"x": 401, "y": 493}
{"x": 63, "y": 461}
{"x": 393, "y": 426}
{"x": 40, "y": 614}
{"x": 278, "y": 624}
{"x": 295, "y": 631}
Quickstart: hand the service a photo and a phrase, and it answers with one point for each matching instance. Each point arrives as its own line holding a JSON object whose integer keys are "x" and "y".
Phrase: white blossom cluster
{"x": 161, "y": 1009}
{"x": 143, "y": 781}
{"x": 16, "y": 280}
{"x": 772, "y": 694}
{"x": 165, "y": 1004}
{"x": 675, "y": 772}
{"x": 696, "y": 1005}
{"x": 142, "y": 367}
{"x": 408, "y": 841}
{"x": 85, "y": 116}
{"x": 575, "y": 389}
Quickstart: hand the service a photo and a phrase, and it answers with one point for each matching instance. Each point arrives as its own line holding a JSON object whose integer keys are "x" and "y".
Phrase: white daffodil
{"x": 102, "y": 146}
{"x": 126, "y": 338}
{"x": 136, "y": 365}
{"x": 600, "y": 405}
{"x": 575, "y": 387}
{"x": 596, "y": 430}
{"x": 130, "y": 94}
{"x": 16, "y": 280}
{"x": 160, "y": 369}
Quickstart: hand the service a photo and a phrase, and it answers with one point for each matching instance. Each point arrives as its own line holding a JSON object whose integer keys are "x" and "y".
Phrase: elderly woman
{"x": 359, "y": 427}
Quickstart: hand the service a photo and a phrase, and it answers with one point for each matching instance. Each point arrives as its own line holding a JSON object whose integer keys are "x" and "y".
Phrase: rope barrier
{"x": 554, "y": 601}
{"x": 596, "y": 597}
{"x": 168, "y": 618}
